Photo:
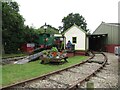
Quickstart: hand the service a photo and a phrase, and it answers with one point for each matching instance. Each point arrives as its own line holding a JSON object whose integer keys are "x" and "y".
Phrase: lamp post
{"x": 45, "y": 27}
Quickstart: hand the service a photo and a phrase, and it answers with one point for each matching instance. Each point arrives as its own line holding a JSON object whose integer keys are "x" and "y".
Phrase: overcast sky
{"x": 37, "y": 12}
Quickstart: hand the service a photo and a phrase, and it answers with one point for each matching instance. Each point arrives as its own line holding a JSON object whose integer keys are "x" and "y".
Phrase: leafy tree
{"x": 60, "y": 28}
{"x": 30, "y": 35}
{"x": 12, "y": 27}
{"x": 72, "y": 19}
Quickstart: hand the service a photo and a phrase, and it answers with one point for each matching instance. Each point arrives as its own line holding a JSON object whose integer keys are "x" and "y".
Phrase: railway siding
{"x": 11, "y": 60}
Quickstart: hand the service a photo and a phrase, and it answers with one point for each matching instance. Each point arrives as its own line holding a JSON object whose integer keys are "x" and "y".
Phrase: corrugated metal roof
{"x": 112, "y": 29}
{"x": 113, "y": 24}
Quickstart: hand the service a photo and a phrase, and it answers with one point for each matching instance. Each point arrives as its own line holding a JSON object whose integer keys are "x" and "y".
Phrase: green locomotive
{"x": 47, "y": 41}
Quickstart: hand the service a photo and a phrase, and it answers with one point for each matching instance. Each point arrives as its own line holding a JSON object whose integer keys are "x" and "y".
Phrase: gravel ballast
{"x": 108, "y": 77}
{"x": 66, "y": 78}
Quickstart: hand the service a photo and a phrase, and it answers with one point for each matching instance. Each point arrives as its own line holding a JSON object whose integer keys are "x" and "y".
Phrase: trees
{"x": 14, "y": 32}
{"x": 30, "y": 35}
{"x": 12, "y": 27}
{"x": 72, "y": 19}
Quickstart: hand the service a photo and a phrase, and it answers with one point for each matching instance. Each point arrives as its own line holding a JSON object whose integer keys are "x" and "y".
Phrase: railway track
{"x": 21, "y": 60}
{"x": 68, "y": 78}
{"x": 11, "y": 60}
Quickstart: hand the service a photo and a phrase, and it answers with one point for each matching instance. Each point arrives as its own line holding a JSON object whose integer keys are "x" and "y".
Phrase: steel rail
{"x": 75, "y": 85}
{"x": 14, "y": 58}
{"x": 8, "y": 60}
{"x": 45, "y": 75}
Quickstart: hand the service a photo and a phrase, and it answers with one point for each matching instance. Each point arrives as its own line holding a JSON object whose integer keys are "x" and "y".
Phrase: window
{"x": 74, "y": 39}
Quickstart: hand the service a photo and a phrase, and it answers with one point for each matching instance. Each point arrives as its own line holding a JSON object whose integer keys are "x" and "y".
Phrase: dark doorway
{"x": 97, "y": 42}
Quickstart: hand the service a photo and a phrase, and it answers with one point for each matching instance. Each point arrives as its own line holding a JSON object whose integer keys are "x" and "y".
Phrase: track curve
{"x": 68, "y": 78}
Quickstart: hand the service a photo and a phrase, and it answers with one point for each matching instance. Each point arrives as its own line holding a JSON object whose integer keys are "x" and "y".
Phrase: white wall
{"x": 76, "y": 32}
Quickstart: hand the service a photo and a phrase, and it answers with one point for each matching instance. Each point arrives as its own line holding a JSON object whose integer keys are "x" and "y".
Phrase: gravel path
{"x": 108, "y": 77}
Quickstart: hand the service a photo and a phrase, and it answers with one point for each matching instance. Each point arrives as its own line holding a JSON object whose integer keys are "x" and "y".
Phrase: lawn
{"x": 13, "y": 73}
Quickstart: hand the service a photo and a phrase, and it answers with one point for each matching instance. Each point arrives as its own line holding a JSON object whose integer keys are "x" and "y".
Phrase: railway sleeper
{"x": 94, "y": 74}
{"x": 77, "y": 84}
{"x": 99, "y": 62}
{"x": 51, "y": 80}
{"x": 71, "y": 71}
{"x": 87, "y": 79}
{"x": 98, "y": 70}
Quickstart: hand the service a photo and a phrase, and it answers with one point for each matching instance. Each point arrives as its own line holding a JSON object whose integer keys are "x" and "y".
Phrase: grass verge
{"x": 15, "y": 73}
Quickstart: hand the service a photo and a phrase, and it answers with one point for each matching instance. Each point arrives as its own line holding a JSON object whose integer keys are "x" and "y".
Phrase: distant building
{"x": 78, "y": 37}
{"x": 105, "y": 37}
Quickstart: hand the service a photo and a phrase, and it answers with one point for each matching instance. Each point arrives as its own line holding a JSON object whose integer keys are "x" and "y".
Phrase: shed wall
{"x": 111, "y": 30}
{"x": 81, "y": 36}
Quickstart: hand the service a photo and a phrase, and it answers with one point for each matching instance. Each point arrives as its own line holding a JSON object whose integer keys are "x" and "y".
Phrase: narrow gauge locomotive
{"x": 47, "y": 41}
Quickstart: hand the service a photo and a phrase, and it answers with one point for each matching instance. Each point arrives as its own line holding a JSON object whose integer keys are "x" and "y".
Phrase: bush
{"x": 54, "y": 49}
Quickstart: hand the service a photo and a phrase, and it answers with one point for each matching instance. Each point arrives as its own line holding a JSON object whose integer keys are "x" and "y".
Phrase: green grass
{"x": 0, "y": 75}
{"x": 12, "y": 55}
{"x": 16, "y": 72}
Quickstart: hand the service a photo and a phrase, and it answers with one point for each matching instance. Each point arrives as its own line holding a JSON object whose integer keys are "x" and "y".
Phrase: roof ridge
{"x": 114, "y": 24}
